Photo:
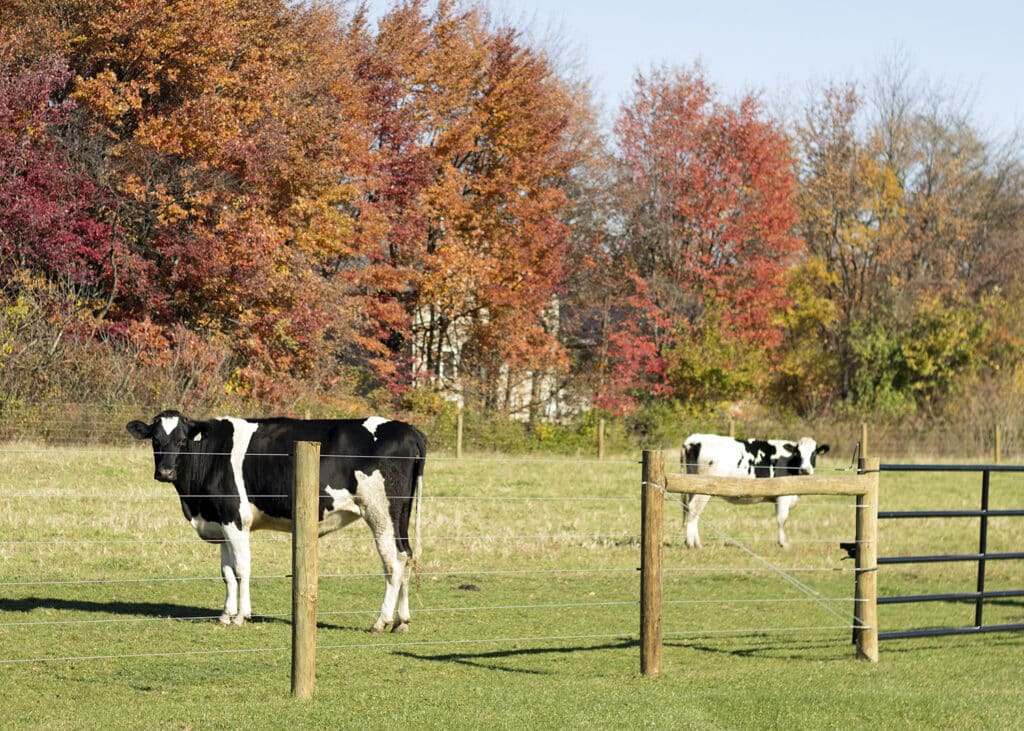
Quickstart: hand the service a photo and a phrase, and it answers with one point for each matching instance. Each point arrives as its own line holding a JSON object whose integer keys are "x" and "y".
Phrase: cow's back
{"x": 394, "y": 448}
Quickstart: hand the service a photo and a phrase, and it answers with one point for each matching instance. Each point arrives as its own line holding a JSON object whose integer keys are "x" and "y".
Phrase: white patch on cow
{"x": 243, "y": 431}
{"x": 343, "y": 510}
{"x": 207, "y": 530}
{"x": 169, "y": 423}
{"x": 373, "y": 423}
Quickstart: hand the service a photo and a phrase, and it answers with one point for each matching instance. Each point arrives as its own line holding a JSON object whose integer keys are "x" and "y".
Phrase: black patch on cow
{"x": 763, "y": 453}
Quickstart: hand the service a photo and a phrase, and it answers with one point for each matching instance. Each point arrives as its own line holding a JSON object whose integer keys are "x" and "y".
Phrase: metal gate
{"x": 981, "y": 558}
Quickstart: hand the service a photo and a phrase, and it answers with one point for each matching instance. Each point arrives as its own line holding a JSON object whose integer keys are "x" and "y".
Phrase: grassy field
{"x": 525, "y": 613}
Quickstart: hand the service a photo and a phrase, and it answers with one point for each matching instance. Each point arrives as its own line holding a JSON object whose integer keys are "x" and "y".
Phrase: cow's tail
{"x": 417, "y": 496}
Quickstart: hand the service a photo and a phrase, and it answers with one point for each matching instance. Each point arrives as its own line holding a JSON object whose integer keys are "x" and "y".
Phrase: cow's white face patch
{"x": 169, "y": 423}
{"x": 373, "y": 422}
{"x": 806, "y": 448}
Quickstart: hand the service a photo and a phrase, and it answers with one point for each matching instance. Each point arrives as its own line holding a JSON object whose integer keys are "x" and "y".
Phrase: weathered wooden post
{"x": 652, "y": 539}
{"x": 305, "y": 509}
{"x": 458, "y": 435}
{"x": 998, "y": 446}
{"x": 600, "y": 440}
{"x": 865, "y": 593}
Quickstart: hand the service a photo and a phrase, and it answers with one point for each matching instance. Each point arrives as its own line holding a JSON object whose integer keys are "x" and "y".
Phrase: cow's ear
{"x": 195, "y": 430}
{"x": 822, "y": 449}
{"x": 789, "y": 448}
{"x": 139, "y": 429}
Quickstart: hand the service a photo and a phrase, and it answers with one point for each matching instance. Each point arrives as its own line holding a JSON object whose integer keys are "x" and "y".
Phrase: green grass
{"x": 525, "y": 613}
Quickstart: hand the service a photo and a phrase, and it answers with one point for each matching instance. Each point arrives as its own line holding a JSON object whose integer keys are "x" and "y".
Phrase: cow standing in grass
{"x": 234, "y": 476}
{"x": 718, "y": 456}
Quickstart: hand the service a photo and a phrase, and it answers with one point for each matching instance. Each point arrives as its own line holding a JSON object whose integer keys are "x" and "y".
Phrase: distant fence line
{"x": 458, "y": 433}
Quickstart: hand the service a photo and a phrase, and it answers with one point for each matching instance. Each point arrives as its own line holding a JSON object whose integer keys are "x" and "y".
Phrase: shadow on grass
{"x": 486, "y": 660}
{"x": 146, "y": 610}
{"x": 154, "y": 610}
{"x": 782, "y": 649}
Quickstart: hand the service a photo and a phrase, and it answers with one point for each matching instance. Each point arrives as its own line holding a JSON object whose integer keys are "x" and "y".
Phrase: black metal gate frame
{"x": 981, "y": 557}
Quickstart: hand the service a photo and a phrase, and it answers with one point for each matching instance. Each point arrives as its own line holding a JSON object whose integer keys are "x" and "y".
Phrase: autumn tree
{"x": 470, "y": 153}
{"x": 707, "y": 218}
{"x": 908, "y": 210}
{"x": 57, "y": 240}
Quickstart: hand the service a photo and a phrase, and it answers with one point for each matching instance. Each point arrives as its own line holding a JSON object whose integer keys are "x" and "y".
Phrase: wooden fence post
{"x": 600, "y": 440}
{"x": 458, "y": 435}
{"x": 305, "y": 509}
{"x": 652, "y": 532}
{"x": 865, "y": 593}
{"x": 998, "y": 446}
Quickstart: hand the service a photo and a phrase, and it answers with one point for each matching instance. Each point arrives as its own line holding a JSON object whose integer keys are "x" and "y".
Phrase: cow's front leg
{"x": 227, "y": 570}
{"x": 782, "y": 506}
{"x": 235, "y": 567}
{"x": 692, "y": 507}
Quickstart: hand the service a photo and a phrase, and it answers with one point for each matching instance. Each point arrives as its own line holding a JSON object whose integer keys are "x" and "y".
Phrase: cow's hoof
{"x": 238, "y": 620}
{"x": 377, "y": 628}
{"x": 225, "y": 619}
{"x": 400, "y": 627}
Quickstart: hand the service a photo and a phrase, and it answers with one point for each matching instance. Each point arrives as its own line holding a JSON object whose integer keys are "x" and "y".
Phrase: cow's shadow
{"x": 143, "y": 610}
{"x": 138, "y": 610}
{"x": 490, "y": 660}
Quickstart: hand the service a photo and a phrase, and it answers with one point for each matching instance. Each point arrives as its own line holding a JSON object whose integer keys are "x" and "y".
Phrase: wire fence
{"x": 974, "y": 437}
{"x": 579, "y": 542}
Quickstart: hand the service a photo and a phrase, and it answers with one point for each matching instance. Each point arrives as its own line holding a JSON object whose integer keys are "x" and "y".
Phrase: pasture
{"x": 525, "y": 612}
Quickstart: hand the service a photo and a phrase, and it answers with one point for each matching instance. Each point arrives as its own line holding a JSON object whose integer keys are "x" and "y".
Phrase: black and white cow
{"x": 233, "y": 476}
{"x": 718, "y": 456}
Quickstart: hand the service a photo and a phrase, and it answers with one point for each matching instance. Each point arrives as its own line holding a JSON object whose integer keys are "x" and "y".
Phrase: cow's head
{"x": 803, "y": 455}
{"x": 171, "y": 433}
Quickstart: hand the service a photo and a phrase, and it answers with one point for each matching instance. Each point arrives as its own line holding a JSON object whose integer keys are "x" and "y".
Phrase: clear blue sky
{"x": 784, "y": 47}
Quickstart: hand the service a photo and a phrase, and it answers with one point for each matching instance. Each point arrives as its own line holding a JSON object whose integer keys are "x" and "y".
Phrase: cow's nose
{"x": 165, "y": 474}
{"x": 806, "y": 470}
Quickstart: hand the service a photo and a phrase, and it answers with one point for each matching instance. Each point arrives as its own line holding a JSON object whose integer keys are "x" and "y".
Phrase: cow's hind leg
{"x": 370, "y": 491}
{"x": 402, "y": 625}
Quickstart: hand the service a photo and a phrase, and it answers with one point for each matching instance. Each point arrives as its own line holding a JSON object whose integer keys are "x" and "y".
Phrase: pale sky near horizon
{"x": 787, "y": 47}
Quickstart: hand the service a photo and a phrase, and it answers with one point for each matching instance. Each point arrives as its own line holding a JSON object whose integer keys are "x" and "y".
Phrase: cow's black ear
{"x": 822, "y": 449}
{"x": 790, "y": 447}
{"x": 139, "y": 429}
{"x": 195, "y": 430}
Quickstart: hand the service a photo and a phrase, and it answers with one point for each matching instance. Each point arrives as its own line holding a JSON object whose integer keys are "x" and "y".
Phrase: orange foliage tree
{"x": 323, "y": 196}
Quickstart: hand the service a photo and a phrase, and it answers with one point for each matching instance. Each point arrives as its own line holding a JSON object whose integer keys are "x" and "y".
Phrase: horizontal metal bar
{"x": 948, "y": 513}
{"x": 963, "y": 596}
{"x": 950, "y": 468}
{"x": 950, "y": 631}
{"x": 950, "y": 558}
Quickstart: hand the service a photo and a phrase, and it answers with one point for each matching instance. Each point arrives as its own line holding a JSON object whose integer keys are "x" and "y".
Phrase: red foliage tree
{"x": 706, "y": 199}
{"x": 51, "y": 212}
